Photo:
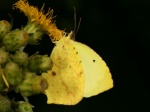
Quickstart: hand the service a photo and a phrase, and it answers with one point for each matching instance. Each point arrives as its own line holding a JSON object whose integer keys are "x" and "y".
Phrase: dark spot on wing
{"x": 94, "y": 60}
{"x": 53, "y": 73}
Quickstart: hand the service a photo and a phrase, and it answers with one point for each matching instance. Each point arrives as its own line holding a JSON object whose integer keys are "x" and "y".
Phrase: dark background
{"x": 118, "y": 30}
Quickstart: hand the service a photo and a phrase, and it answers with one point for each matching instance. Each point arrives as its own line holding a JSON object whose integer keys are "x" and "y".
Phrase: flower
{"x": 44, "y": 20}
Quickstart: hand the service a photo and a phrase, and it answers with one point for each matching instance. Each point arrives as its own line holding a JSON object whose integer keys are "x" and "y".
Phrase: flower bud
{"x": 13, "y": 73}
{"x": 24, "y": 107}
{"x": 5, "y": 104}
{"x": 21, "y": 58}
{"x": 39, "y": 63}
{"x": 4, "y": 56}
{"x": 34, "y": 31}
{"x": 32, "y": 84}
{"x": 15, "y": 39}
{"x": 5, "y": 27}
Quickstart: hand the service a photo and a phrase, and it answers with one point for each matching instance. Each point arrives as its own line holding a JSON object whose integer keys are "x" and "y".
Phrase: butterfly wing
{"x": 66, "y": 79}
{"x": 97, "y": 75}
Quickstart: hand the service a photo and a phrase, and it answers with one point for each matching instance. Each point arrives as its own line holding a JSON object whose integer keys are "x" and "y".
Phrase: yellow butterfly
{"x": 77, "y": 72}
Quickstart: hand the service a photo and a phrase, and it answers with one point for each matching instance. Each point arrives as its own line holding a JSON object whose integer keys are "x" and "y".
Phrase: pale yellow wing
{"x": 66, "y": 79}
{"x": 97, "y": 75}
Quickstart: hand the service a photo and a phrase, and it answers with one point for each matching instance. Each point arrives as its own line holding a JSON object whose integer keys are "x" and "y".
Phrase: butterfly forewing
{"x": 66, "y": 79}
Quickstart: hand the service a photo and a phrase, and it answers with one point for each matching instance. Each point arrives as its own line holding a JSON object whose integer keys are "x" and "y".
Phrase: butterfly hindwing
{"x": 97, "y": 75}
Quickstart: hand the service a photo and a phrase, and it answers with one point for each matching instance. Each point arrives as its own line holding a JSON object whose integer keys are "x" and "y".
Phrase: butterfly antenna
{"x": 76, "y": 28}
{"x": 75, "y": 20}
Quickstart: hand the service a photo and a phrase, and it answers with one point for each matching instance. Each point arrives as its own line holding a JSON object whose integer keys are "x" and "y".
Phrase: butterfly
{"x": 77, "y": 72}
